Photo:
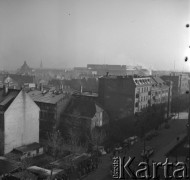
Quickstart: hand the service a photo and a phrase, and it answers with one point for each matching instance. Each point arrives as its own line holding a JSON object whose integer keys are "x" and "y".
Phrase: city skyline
{"x": 65, "y": 34}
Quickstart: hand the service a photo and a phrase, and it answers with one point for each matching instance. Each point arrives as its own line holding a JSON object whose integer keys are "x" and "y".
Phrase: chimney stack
{"x": 5, "y": 89}
{"x": 81, "y": 89}
{"x": 41, "y": 87}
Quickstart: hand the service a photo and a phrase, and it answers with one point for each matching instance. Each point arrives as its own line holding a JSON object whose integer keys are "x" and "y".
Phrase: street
{"x": 162, "y": 143}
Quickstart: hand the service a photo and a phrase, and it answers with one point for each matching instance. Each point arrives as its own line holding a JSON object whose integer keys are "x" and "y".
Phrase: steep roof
{"x": 159, "y": 82}
{"x": 7, "y": 99}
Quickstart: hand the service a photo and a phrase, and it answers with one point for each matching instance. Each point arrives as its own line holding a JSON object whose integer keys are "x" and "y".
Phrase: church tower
{"x": 41, "y": 65}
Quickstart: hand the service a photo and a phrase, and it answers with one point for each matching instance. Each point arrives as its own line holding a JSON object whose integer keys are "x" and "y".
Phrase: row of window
{"x": 143, "y": 89}
{"x": 143, "y": 98}
{"x": 139, "y": 105}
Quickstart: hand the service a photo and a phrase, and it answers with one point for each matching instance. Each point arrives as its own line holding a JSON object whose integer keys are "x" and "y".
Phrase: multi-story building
{"x": 180, "y": 83}
{"x": 83, "y": 114}
{"x": 51, "y": 105}
{"x": 124, "y": 95}
{"x": 19, "y": 119}
{"x": 142, "y": 93}
{"x": 161, "y": 93}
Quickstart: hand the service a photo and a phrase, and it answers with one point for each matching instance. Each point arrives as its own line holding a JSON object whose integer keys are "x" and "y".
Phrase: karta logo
{"x": 123, "y": 168}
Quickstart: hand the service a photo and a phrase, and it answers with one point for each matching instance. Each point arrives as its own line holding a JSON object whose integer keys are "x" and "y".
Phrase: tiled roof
{"x": 159, "y": 82}
{"x": 48, "y": 97}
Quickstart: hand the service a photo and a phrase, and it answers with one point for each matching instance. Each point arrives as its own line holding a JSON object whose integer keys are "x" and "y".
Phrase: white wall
{"x": 21, "y": 122}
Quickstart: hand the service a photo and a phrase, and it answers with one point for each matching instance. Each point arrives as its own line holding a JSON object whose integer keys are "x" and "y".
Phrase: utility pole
{"x": 188, "y": 133}
{"x": 188, "y": 123}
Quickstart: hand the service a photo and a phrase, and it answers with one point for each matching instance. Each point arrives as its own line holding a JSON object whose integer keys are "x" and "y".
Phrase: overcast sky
{"x": 68, "y": 33}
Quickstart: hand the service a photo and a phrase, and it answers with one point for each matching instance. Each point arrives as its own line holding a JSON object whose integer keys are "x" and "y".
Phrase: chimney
{"x": 41, "y": 87}
{"x": 107, "y": 73}
{"x": 5, "y": 89}
{"x": 81, "y": 89}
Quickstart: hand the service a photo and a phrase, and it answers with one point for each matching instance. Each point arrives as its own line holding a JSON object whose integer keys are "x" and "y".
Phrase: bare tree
{"x": 55, "y": 143}
{"x": 1, "y": 142}
{"x": 75, "y": 146}
{"x": 24, "y": 174}
{"x": 97, "y": 136}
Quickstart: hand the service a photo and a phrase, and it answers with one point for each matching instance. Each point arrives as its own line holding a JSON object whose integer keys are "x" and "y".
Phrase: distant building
{"x": 24, "y": 69}
{"x": 138, "y": 70}
{"x": 180, "y": 83}
{"x": 19, "y": 119}
{"x": 51, "y": 105}
{"x": 16, "y": 81}
{"x": 103, "y": 69}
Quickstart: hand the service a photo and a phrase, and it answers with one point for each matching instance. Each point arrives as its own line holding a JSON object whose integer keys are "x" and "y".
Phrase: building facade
{"x": 180, "y": 83}
{"x": 51, "y": 105}
{"x": 19, "y": 120}
{"x": 122, "y": 96}
{"x": 161, "y": 93}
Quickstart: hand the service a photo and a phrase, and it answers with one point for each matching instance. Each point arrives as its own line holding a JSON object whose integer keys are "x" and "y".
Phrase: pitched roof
{"x": 28, "y": 148}
{"x": 48, "y": 97}
{"x": 7, "y": 166}
{"x": 6, "y": 99}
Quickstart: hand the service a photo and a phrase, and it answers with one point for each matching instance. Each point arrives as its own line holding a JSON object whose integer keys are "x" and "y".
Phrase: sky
{"x": 70, "y": 33}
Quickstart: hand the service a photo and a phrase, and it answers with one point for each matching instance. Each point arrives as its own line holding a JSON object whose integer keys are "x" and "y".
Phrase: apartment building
{"x": 19, "y": 119}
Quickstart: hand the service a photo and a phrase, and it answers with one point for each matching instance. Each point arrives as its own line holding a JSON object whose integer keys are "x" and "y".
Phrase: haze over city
{"x": 70, "y": 33}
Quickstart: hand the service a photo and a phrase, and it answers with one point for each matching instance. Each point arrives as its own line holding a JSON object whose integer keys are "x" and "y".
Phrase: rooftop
{"x": 6, "y": 99}
{"x": 45, "y": 97}
{"x": 43, "y": 172}
{"x": 28, "y": 148}
{"x": 7, "y": 166}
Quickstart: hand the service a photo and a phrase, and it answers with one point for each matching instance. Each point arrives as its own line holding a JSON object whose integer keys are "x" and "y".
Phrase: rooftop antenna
{"x": 41, "y": 65}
